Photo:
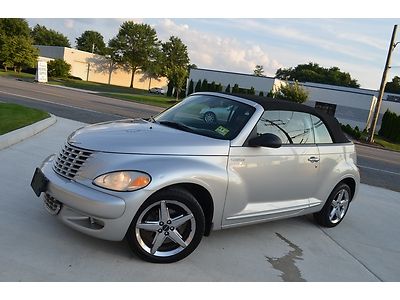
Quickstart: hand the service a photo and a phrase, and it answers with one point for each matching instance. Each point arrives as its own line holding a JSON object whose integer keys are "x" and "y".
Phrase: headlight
{"x": 123, "y": 181}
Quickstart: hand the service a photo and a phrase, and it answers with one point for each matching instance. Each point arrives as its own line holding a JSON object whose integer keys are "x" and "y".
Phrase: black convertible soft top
{"x": 277, "y": 104}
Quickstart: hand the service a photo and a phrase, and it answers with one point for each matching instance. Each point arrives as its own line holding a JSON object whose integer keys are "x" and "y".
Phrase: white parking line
{"x": 380, "y": 170}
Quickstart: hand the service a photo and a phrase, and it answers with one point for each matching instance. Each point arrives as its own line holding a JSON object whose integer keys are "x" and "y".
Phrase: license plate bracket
{"x": 39, "y": 182}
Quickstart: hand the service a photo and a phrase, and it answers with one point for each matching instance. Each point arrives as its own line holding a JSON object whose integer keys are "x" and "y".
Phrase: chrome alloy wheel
{"x": 165, "y": 228}
{"x": 339, "y": 206}
{"x": 210, "y": 118}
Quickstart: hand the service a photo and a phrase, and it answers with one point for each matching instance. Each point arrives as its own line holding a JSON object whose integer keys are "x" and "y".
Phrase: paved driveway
{"x": 34, "y": 246}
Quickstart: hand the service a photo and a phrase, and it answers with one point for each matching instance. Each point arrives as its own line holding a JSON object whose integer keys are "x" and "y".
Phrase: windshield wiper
{"x": 151, "y": 119}
{"x": 177, "y": 125}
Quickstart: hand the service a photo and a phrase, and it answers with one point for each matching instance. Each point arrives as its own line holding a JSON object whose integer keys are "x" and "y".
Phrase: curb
{"x": 72, "y": 89}
{"x": 23, "y": 133}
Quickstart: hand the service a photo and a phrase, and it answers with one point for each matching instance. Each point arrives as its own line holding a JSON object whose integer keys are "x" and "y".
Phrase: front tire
{"x": 336, "y": 207}
{"x": 167, "y": 227}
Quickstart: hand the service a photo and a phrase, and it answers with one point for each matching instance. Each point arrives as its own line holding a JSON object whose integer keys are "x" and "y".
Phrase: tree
{"x": 177, "y": 76}
{"x": 228, "y": 89}
{"x": 176, "y": 62}
{"x": 58, "y": 68}
{"x": 235, "y": 89}
{"x": 290, "y": 91}
{"x": 114, "y": 56}
{"x": 153, "y": 69}
{"x": 14, "y": 27}
{"x": 48, "y": 37}
{"x": 261, "y": 94}
{"x": 23, "y": 55}
{"x": 259, "y": 71}
{"x": 16, "y": 49}
{"x": 198, "y": 86}
{"x": 138, "y": 44}
{"x": 313, "y": 72}
{"x": 170, "y": 89}
{"x": 393, "y": 86}
{"x": 91, "y": 41}
{"x": 190, "y": 89}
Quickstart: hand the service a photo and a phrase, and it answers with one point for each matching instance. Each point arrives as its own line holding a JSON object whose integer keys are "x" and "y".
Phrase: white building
{"x": 353, "y": 105}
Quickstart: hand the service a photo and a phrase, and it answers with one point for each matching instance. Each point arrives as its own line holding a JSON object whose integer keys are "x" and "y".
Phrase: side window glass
{"x": 292, "y": 127}
{"x": 322, "y": 135}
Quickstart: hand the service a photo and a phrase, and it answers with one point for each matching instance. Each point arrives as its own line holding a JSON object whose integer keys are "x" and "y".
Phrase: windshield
{"x": 211, "y": 116}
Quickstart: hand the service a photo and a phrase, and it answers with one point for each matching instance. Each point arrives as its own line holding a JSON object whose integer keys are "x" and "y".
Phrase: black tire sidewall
{"x": 179, "y": 195}
{"x": 322, "y": 217}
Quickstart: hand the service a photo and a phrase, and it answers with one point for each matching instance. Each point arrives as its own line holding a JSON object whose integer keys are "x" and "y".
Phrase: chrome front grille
{"x": 70, "y": 160}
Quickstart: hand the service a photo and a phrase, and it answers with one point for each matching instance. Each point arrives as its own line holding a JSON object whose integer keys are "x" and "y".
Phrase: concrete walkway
{"x": 34, "y": 246}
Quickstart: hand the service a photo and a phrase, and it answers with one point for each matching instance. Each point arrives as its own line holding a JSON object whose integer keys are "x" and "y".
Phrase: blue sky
{"x": 358, "y": 46}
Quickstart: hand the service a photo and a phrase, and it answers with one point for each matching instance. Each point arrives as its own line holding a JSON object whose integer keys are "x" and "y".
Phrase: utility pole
{"x": 382, "y": 87}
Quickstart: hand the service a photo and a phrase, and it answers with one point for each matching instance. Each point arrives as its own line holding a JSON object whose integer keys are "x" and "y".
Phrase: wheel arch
{"x": 203, "y": 197}
{"x": 351, "y": 183}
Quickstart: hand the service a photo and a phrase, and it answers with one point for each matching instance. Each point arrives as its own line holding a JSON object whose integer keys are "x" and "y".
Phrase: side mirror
{"x": 266, "y": 140}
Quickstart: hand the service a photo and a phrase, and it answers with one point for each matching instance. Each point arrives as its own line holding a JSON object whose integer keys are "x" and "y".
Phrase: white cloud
{"x": 208, "y": 50}
{"x": 328, "y": 40}
{"x": 69, "y": 23}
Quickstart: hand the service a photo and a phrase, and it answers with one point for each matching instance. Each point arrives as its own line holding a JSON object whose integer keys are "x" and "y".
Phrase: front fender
{"x": 165, "y": 170}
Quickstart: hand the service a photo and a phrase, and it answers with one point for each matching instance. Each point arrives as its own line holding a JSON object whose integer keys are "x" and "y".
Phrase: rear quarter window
{"x": 322, "y": 135}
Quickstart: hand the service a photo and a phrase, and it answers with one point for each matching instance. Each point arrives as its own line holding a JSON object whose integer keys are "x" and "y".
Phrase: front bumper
{"x": 88, "y": 210}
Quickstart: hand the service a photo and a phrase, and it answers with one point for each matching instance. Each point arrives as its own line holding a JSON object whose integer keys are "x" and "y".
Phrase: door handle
{"x": 313, "y": 159}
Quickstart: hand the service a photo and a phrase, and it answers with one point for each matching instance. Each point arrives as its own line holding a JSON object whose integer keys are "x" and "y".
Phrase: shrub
{"x": 390, "y": 127}
{"x": 58, "y": 68}
{"x": 261, "y": 94}
{"x": 212, "y": 87}
{"x": 74, "y": 77}
{"x": 355, "y": 133}
{"x": 292, "y": 92}
{"x": 204, "y": 86}
{"x": 198, "y": 86}
{"x": 235, "y": 89}
{"x": 190, "y": 89}
{"x": 228, "y": 89}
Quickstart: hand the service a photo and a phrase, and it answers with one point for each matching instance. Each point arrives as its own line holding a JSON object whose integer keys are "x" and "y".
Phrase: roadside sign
{"x": 41, "y": 72}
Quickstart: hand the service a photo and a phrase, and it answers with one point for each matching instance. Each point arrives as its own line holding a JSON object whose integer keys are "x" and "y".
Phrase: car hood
{"x": 142, "y": 137}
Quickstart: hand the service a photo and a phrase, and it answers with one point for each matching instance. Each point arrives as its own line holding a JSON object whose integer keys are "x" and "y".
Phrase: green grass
{"x": 380, "y": 141}
{"x": 161, "y": 101}
{"x": 16, "y": 74}
{"x": 386, "y": 144}
{"x": 13, "y": 116}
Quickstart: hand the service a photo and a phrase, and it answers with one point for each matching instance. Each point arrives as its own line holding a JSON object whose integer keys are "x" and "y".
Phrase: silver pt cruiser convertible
{"x": 166, "y": 182}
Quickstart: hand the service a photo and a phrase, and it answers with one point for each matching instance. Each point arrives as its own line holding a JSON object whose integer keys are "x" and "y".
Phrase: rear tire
{"x": 167, "y": 227}
{"x": 336, "y": 207}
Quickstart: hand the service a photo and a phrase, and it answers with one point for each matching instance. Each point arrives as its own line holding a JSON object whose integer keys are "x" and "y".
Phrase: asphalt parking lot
{"x": 36, "y": 247}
